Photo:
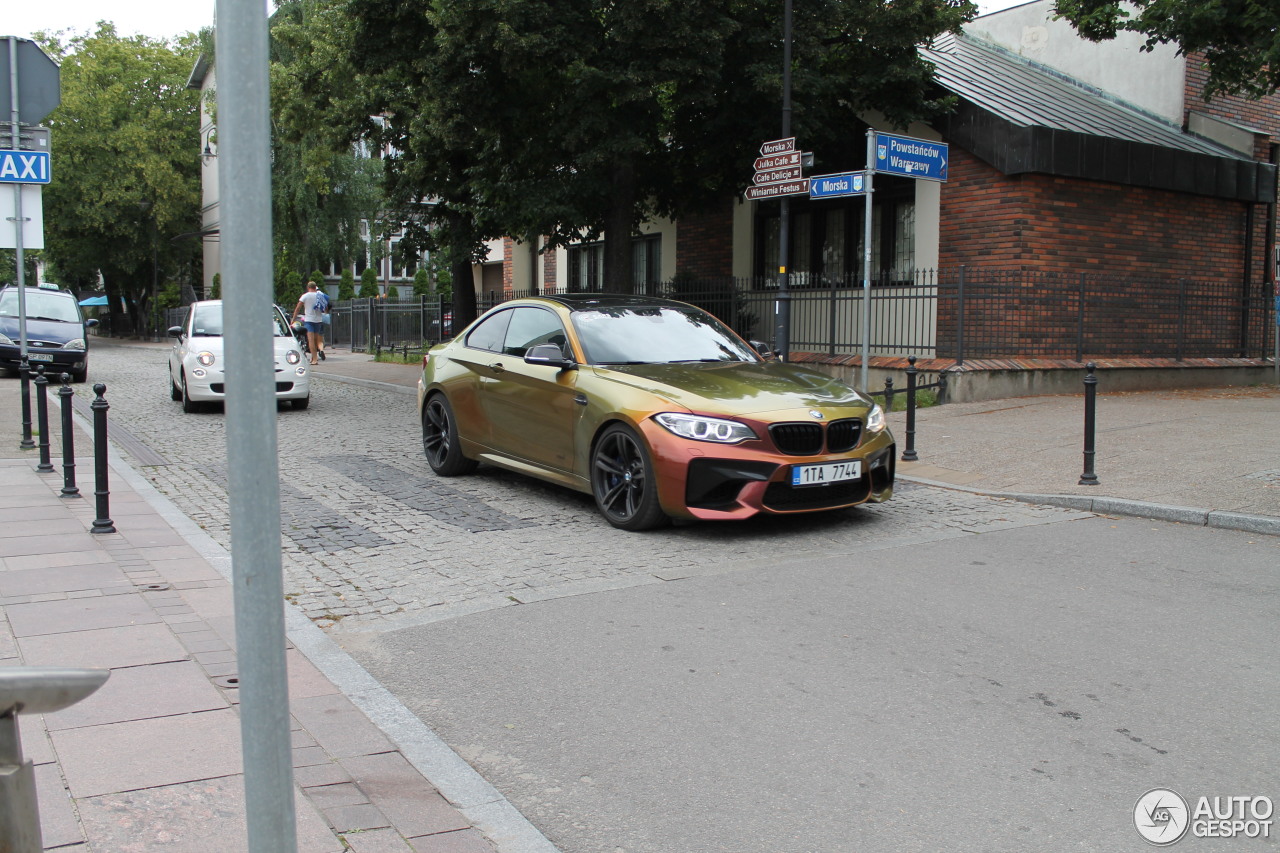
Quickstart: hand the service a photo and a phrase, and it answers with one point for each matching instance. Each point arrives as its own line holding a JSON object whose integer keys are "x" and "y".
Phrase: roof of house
{"x": 1022, "y": 117}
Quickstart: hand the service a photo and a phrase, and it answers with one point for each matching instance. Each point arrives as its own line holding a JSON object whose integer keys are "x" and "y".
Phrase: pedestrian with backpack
{"x": 312, "y": 306}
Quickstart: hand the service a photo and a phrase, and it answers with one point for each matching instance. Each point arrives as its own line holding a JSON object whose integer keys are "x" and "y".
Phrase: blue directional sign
{"x": 912, "y": 158}
{"x": 831, "y": 186}
{"x": 24, "y": 167}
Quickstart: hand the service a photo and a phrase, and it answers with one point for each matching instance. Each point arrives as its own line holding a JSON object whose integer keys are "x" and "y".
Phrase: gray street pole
{"x": 18, "y": 218}
{"x": 867, "y": 234}
{"x": 783, "y": 333}
{"x": 244, "y": 147}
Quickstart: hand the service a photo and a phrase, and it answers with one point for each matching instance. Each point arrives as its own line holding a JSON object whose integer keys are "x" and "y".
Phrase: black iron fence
{"x": 950, "y": 314}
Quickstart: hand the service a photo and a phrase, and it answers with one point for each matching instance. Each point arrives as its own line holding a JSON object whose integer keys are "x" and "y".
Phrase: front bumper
{"x": 209, "y": 384}
{"x": 55, "y": 361}
{"x": 710, "y": 481}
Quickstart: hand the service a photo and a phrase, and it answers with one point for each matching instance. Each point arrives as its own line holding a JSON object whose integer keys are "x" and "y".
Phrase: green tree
{"x": 658, "y": 110}
{"x": 215, "y": 287}
{"x": 347, "y": 285}
{"x": 1240, "y": 39}
{"x": 393, "y": 292}
{"x": 421, "y": 282}
{"x": 128, "y": 179}
{"x": 369, "y": 283}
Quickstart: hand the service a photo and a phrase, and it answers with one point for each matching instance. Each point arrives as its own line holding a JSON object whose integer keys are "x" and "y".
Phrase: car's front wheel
{"x": 623, "y": 481}
{"x": 440, "y": 439}
{"x": 175, "y": 393}
{"x": 188, "y": 405}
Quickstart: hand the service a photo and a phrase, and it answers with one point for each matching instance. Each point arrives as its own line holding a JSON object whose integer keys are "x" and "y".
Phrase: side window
{"x": 530, "y": 327}
{"x": 490, "y": 334}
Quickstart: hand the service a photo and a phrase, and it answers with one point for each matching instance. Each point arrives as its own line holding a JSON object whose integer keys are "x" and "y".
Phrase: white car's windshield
{"x": 207, "y": 322}
{"x": 656, "y": 335}
{"x": 41, "y": 306}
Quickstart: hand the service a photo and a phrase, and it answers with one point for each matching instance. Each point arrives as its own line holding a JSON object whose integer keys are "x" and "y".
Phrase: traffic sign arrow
{"x": 778, "y": 161}
{"x": 777, "y": 176}
{"x": 799, "y": 187}
{"x": 778, "y": 146}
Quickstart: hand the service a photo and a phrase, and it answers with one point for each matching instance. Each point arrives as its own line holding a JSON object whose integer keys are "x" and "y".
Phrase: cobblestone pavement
{"x": 373, "y": 540}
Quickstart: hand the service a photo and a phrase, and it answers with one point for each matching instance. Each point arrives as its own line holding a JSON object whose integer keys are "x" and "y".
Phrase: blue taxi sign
{"x": 24, "y": 167}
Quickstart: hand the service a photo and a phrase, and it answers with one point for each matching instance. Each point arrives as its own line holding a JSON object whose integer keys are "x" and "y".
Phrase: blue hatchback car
{"x": 55, "y": 331}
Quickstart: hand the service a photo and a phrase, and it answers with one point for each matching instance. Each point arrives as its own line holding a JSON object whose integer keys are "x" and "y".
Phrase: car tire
{"x": 79, "y": 376}
{"x": 188, "y": 405}
{"x": 302, "y": 403}
{"x": 623, "y": 481}
{"x": 440, "y": 440}
{"x": 175, "y": 393}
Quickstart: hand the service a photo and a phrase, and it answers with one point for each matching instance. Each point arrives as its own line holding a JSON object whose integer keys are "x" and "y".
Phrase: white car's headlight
{"x": 701, "y": 428}
{"x": 78, "y": 344}
{"x": 4, "y": 339}
{"x": 875, "y": 419}
{"x": 293, "y": 356}
{"x": 205, "y": 358}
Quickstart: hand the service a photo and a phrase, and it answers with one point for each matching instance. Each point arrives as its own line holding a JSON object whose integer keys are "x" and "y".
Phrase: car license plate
{"x": 39, "y": 356}
{"x": 829, "y": 472}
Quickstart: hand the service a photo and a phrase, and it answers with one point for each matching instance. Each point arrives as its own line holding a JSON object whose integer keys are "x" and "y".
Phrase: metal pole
{"x": 783, "y": 334}
{"x": 909, "y": 455}
{"x": 1089, "y": 478}
{"x": 101, "y": 524}
{"x": 42, "y": 415}
{"x": 866, "y": 259}
{"x": 244, "y": 137}
{"x": 69, "y": 488}
{"x": 18, "y": 219}
{"x": 24, "y": 371}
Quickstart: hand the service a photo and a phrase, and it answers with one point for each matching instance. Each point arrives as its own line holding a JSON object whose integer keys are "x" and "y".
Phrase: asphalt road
{"x": 946, "y": 671}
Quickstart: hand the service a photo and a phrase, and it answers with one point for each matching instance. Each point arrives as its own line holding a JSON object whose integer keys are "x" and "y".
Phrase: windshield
{"x": 656, "y": 335}
{"x": 207, "y": 322}
{"x": 41, "y": 305}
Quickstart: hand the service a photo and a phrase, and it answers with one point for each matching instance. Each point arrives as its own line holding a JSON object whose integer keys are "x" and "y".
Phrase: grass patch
{"x": 925, "y": 399}
{"x": 399, "y": 357}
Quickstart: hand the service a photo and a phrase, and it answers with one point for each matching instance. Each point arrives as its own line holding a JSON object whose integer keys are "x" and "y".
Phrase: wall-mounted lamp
{"x": 210, "y": 147}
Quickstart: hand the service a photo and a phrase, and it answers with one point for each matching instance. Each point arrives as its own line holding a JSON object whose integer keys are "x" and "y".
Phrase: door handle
{"x": 497, "y": 367}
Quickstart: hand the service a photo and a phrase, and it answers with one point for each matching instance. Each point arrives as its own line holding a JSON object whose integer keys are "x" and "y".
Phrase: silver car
{"x": 197, "y": 366}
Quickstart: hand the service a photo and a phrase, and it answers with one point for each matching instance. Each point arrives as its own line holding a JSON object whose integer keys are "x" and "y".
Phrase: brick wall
{"x": 704, "y": 243}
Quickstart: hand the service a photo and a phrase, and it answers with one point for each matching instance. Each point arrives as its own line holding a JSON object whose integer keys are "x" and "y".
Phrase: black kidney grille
{"x": 805, "y": 439}
{"x": 843, "y": 435}
{"x": 797, "y": 439}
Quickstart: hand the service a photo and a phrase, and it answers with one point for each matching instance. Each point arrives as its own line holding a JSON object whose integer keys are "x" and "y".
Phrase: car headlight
{"x": 205, "y": 358}
{"x": 78, "y": 344}
{"x": 701, "y": 428}
{"x": 293, "y": 356}
{"x": 875, "y": 419}
{"x": 6, "y": 340}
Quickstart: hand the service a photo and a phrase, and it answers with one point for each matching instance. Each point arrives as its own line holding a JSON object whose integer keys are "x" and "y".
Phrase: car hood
{"x": 740, "y": 388}
{"x": 42, "y": 330}
{"x": 216, "y": 345}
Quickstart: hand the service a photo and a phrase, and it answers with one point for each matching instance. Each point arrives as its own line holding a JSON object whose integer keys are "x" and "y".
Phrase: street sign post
{"x": 36, "y": 90}
{"x": 24, "y": 167}
{"x": 833, "y": 186}
{"x": 910, "y": 157}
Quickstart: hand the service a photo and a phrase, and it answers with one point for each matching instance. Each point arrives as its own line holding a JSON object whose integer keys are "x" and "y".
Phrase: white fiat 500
{"x": 197, "y": 367}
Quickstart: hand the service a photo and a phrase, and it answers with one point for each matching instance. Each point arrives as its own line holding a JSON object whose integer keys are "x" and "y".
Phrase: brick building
{"x": 1074, "y": 166}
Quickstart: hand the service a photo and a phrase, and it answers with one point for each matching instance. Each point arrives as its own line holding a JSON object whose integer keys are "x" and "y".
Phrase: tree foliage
{"x": 568, "y": 118}
{"x": 1240, "y": 39}
{"x": 127, "y": 180}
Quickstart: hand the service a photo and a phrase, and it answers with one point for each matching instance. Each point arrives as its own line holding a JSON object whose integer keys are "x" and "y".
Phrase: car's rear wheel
{"x": 623, "y": 481}
{"x": 440, "y": 439}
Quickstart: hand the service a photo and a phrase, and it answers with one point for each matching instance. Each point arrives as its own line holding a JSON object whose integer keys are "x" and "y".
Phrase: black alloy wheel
{"x": 440, "y": 439}
{"x": 623, "y": 482}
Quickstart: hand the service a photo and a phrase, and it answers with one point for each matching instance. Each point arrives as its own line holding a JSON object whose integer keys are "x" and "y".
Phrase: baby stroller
{"x": 300, "y": 332}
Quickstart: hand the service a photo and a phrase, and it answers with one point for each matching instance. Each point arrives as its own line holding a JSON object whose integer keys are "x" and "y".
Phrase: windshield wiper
{"x": 613, "y": 363}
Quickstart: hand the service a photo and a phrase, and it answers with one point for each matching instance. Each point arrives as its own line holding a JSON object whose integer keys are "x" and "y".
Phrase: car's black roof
{"x": 596, "y": 301}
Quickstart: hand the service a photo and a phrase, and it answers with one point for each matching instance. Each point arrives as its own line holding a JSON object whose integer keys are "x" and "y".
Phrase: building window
{"x": 586, "y": 264}
{"x": 828, "y": 238}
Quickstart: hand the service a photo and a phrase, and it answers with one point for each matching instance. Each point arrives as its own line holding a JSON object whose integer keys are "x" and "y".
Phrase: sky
{"x": 155, "y": 18}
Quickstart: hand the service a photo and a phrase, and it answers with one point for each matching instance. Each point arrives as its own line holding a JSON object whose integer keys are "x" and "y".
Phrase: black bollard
{"x": 69, "y": 488}
{"x": 24, "y": 371}
{"x": 42, "y": 415}
{"x": 101, "y": 524}
{"x": 888, "y": 395}
{"x": 909, "y": 455}
{"x": 1089, "y": 478}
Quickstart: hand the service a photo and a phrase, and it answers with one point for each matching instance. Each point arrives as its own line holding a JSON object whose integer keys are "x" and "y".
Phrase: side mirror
{"x": 549, "y": 354}
{"x": 175, "y": 331}
{"x": 90, "y": 323}
{"x": 765, "y": 351}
